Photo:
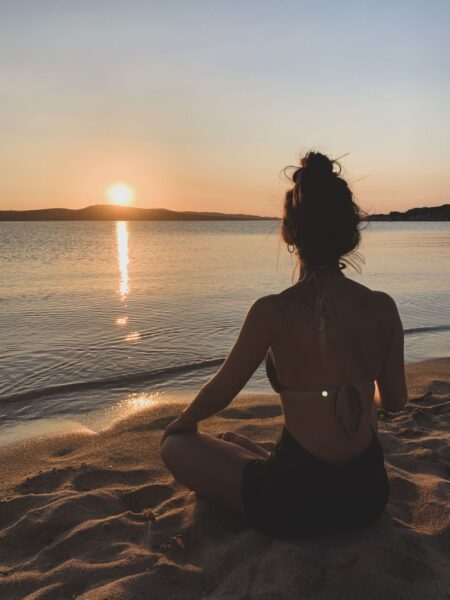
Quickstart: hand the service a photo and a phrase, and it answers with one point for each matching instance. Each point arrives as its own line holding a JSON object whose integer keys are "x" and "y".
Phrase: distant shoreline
{"x": 106, "y": 212}
{"x": 426, "y": 213}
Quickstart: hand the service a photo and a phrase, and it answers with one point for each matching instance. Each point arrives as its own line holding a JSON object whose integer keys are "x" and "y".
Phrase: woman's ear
{"x": 287, "y": 235}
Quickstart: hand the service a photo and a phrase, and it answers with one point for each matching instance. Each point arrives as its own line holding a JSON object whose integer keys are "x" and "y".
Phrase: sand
{"x": 76, "y": 516}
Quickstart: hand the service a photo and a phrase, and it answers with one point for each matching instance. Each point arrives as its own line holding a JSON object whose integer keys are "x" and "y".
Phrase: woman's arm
{"x": 391, "y": 382}
{"x": 244, "y": 358}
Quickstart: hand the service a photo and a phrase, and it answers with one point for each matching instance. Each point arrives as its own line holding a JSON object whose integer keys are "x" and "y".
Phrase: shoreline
{"x": 98, "y": 419}
{"x": 76, "y": 518}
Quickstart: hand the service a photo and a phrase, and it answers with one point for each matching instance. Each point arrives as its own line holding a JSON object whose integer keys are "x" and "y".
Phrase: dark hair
{"x": 320, "y": 217}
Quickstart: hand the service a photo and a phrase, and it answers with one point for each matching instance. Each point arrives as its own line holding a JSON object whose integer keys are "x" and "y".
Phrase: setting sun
{"x": 120, "y": 194}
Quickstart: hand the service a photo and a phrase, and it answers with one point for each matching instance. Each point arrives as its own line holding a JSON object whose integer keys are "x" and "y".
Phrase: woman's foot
{"x": 245, "y": 442}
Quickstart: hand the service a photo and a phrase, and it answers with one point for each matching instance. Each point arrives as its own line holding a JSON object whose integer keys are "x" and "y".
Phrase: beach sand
{"x": 76, "y": 515}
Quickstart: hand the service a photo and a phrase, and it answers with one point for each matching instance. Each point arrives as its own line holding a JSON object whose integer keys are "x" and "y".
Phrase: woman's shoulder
{"x": 382, "y": 299}
{"x": 264, "y": 304}
{"x": 386, "y": 305}
{"x": 266, "y": 309}
{"x": 377, "y": 302}
{"x": 377, "y": 298}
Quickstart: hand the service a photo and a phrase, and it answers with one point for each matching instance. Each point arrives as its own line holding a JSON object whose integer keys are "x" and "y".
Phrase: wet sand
{"x": 77, "y": 515}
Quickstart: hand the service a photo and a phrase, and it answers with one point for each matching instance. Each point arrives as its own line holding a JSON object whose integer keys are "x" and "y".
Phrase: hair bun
{"x": 317, "y": 164}
{"x": 320, "y": 216}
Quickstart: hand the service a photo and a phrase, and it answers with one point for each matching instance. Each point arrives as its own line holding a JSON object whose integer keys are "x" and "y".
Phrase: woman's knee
{"x": 169, "y": 449}
{"x": 172, "y": 448}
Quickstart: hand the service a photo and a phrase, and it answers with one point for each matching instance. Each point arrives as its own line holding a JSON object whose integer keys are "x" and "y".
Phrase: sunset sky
{"x": 198, "y": 105}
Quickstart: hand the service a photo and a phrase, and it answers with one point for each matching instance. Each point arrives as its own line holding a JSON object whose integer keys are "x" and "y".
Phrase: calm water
{"x": 114, "y": 316}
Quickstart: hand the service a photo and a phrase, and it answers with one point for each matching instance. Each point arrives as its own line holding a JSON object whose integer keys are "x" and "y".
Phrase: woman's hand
{"x": 181, "y": 425}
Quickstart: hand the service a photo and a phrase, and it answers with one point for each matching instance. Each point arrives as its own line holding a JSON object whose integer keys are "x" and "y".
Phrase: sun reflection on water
{"x": 122, "y": 253}
{"x": 134, "y": 336}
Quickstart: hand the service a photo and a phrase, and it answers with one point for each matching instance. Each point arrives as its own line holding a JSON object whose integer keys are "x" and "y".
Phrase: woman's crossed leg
{"x": 210, "y": 465}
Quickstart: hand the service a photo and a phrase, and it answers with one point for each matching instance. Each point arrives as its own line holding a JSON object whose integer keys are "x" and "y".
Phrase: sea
{"x": 99, "y": 319}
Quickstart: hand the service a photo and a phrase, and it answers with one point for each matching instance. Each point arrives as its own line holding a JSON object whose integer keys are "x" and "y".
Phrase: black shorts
{"x": 295, "y": 494}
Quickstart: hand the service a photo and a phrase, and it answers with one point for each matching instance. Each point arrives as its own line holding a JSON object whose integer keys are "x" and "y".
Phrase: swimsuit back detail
{"x": 349, "y": 397}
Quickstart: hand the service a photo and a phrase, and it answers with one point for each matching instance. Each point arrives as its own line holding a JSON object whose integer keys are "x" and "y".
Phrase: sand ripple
{"x": 76, "y": 516}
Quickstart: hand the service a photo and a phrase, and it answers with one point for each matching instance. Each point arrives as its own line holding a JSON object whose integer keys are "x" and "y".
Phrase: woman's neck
{"x": 320, "y": 272}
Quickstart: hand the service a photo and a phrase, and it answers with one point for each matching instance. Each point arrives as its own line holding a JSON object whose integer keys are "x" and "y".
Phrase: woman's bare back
{"x": 354, "y": 336}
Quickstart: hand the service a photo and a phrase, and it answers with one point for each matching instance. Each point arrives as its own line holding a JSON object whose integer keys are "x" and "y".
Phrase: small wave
{"x": 427, "y": 329}
{"x": 76, "y": 386}
{"x": 150, "y": 376}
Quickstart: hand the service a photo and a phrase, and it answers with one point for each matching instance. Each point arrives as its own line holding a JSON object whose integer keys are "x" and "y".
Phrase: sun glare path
{"x": 120, "y": 194}
{"x": 122, "y": 253}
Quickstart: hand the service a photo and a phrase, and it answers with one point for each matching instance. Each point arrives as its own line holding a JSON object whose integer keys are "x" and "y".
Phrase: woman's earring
{"x": 289, "y": 248}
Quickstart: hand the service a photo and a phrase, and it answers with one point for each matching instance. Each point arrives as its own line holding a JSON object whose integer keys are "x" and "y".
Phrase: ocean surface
{"x": 101, "y": 318}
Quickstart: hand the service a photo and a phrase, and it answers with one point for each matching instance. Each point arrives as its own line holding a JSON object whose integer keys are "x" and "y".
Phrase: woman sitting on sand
{"x": 333, "y": 349}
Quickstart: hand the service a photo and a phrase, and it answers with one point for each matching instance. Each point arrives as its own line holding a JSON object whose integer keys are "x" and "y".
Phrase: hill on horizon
{"x": 111, "y": 212}
{"x": 425, "y": 213}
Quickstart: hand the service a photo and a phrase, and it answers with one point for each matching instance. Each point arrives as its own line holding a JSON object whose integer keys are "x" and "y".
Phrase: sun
{"x": 121, "y": 194}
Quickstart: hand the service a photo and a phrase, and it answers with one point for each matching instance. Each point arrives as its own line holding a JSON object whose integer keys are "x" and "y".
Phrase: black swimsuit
{"x": 296, "y": 494}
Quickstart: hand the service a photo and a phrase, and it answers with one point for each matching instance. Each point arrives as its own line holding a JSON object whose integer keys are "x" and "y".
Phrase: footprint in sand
{"x": 101, "y": 478}
{"x": 146, "y": 496}
{"x": 45, "y": 482}
{"x": 403, "y": 489}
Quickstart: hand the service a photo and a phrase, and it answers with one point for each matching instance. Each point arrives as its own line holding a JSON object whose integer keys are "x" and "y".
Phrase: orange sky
{"x": 200, "y": 108}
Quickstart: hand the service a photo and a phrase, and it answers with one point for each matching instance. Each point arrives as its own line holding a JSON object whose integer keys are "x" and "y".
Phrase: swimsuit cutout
{"x": 350, "y": 391}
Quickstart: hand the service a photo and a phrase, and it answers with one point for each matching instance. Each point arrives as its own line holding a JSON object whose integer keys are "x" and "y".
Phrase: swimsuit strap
{"x": 327, "y": 390}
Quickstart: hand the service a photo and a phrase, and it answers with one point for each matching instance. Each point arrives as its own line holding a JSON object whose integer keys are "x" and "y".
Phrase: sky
{"x": 199, "y": 105}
